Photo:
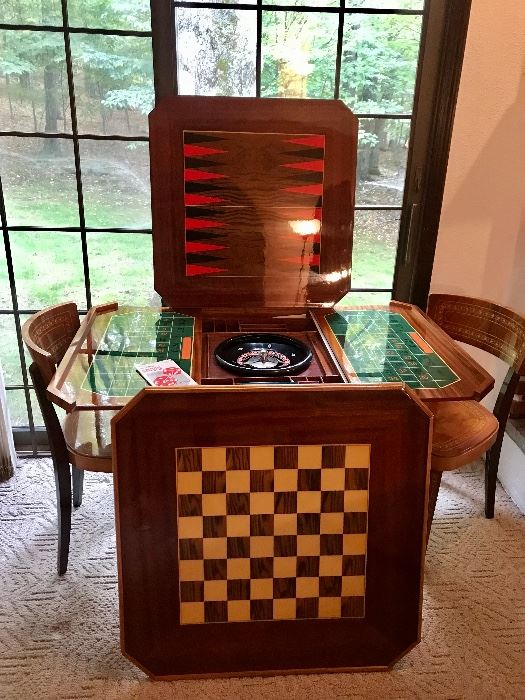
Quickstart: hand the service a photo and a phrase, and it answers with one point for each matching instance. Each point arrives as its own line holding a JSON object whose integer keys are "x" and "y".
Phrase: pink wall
{"x": 481, "y": 242}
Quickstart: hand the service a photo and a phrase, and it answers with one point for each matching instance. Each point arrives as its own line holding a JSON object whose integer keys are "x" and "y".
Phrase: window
{"x": 76, "y": 85}
{"x": 75, "y": 91}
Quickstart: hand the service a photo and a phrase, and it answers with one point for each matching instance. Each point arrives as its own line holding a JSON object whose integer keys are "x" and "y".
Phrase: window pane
{"x": 31, "y": 12}
{"x": 381, "y": 161}
{"x": 310, "y": 3}
{"x": 379, "y": 63}
{"x": 219, "y": 2}
{"x": 121, "y": 267}
{"x": 216, "y": 51}
{"x": 5, "y": 289}
{"x": 113, "y": 83}
{"x": 110, "y": 14}
{"x": 115, "y": 176}
{"x": 48, "y": 268}
{"x": 299, "y": 53}
{"x": 387, "y": 4}
{"x": 364, "y": 298}
{"x": 16, "y": 404}
{"x": 9, "y": 356}
{"x": 33, "y": 91}
{"x": 38, "y": 176}
{"x": 374, "y": 251}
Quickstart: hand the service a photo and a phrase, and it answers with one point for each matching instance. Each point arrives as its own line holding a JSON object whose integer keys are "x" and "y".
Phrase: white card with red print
{"x": 164, "y": 373}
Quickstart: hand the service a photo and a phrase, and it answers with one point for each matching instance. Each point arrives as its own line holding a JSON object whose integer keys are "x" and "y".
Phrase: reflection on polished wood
{"x": 465, "y": 430}
{"x": 248, "y": 551}
{"x": 71, "y": 388}
{"x": 259, "y": 155}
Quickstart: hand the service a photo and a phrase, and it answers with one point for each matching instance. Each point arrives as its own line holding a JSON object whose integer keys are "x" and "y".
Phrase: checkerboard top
{"x": 272, "y": 532}
{"x": 132, "y": 337}
{"x": 382, "y": 346}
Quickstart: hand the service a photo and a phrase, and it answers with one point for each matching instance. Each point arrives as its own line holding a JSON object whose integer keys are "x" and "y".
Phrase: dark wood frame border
{"x": 391, "y": 419}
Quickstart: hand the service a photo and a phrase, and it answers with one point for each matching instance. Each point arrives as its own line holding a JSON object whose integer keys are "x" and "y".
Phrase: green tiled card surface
{"x": 380, "y": 349}
{"x": 133, "y": 337}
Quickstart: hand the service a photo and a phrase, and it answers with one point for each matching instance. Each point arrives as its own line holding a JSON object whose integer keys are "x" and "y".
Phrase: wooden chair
{"x": 84, "y": 439}
{"x": 465, "y": 430}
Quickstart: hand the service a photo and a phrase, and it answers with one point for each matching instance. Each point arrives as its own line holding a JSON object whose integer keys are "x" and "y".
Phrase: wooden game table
{"x": 358, "y": 345}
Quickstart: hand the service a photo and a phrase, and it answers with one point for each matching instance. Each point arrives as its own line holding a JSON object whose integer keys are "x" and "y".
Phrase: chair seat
{"x": 88, "y": 439}
{"x": 463, "y": 431}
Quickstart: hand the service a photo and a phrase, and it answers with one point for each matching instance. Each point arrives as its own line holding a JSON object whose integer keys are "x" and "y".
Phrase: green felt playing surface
{"x": 379, "y": 347}
{"x": 133, "y": 337}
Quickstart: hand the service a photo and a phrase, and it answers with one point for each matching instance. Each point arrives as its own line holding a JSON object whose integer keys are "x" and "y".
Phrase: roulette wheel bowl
{"x": 263, "y": 355}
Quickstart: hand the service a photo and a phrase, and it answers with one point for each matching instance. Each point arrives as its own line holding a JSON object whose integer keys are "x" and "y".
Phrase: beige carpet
{"x": 59, "y": 637}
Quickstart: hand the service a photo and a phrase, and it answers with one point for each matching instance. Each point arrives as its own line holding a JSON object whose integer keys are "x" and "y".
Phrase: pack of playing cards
{"x": 164, "y": 373}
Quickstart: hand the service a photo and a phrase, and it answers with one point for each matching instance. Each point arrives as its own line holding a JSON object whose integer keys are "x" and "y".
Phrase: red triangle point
{"x": 192, "y": 270}
{"x": 312, "y": 165}
{"x": 191, "y": 199}
{"x": 193, "y": 150}
{"x": 316, "y": 141}
{"x": 192, "y": 224}
{"x": 306, "y": 189}
{"x": 197, "y": 247}
{"x": 191, "y": 174}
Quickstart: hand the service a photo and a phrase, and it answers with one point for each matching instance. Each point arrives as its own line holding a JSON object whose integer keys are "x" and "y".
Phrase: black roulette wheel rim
{"x": 261, "y": 355}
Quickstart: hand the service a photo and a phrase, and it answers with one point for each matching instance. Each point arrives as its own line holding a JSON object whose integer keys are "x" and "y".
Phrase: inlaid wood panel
{"x": 272, "y": 532}
{"x": 252, "y": 522}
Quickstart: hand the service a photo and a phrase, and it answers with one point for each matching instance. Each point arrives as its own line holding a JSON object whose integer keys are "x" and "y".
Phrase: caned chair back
{"x": 488, "y": 326}
{"x": 47, "y": 335}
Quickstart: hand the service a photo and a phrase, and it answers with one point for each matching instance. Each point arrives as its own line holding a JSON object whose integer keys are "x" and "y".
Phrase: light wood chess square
{"x": 191, "y": 613}
{"x": 238, "y": 525}
{"x": 261, "y": 503}
{"x": 332, "y": 523}
{"x": 330, "y": 607}
{"x": 354, "y": 544}
{"x": 285, "y": 567}
{"x": 284, "y": 609}
{"x": 238, "y": 481}
{"x": 261, "y": 546}
{"x": 238, "y": 569}
{"x": 214, "y": 548}
{"x": 285, "y": 524}
{"x": 191, "y": 569}
{"x": 285, "y": 480}
{"x": 213, "y": 459}
{"x": 189, "y": 482}
{"x": 332, "y": 479}
{"x": 308, "y": 501}
{"x": 190, "y": 527}
{"x": 353, "y": 585}
{"x": 357, "y": 456}
{"x": 307, "y": 587}
{"x": 214, "y": 504}
{"x": 310, "y": 456}
{"x": 238, "y": 610}
{"x": 262, "y": 457}
{"x": 215, "y": 590}
{"x": 356, "y": 501}
{"x": 331, "y": 565}
{"x": 308, "y": 545}
{"x": 261, "y": 588}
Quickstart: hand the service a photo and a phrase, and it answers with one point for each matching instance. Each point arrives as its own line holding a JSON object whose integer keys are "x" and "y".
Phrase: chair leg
{"x": 78, "y": 485}
{"x": 491, "y": 476}
{"x": 433, "y": 490}
{"x": 63, "y": 490}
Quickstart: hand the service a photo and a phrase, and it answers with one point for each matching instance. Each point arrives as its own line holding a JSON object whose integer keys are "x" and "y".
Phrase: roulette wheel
{"x": 263, "y": 355}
